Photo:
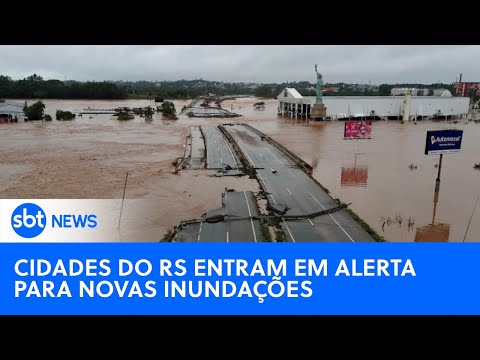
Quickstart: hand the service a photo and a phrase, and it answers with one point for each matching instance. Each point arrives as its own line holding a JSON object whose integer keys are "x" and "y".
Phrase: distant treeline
{"x": 35, "y": 87}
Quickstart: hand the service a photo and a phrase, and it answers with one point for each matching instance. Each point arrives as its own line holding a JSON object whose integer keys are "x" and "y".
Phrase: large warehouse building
{"x": 408, "y": 107}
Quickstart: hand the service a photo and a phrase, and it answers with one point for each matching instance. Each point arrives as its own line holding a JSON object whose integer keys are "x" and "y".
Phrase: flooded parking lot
{"x": 89, "y": 157}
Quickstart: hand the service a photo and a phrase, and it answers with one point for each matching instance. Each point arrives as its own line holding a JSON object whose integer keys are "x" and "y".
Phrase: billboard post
{"x": 437, "y": 185}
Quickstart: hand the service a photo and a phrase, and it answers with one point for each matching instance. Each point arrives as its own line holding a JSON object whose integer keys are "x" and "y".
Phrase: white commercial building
{"x": 291, "y": 103}
{"x": 420, "y": 92}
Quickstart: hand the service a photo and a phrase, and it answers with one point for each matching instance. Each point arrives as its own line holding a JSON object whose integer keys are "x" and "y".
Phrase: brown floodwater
{"x": 88, "y": 158}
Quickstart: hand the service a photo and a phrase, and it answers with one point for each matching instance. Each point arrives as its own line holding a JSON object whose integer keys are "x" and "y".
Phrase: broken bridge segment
{"x": 236, "y": 221}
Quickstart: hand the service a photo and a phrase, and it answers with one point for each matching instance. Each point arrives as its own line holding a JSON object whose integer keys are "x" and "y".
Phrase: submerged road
{"x": 286, "y": 184}
{"x": 237, "y": 211}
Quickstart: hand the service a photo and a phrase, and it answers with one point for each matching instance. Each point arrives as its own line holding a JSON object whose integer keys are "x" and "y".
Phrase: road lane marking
{"x": 336, "y": 222}
{"x": 288, "y": 191}
{"x": 249, "y": 213}
{"x": 275, "y": 156}
{"x": 227, "y": 236}
{"x": 310, "y": 221}
{"x": 199, "y": 231}
{"x": 228, "y": 146}
{"x": 249, "y": 159}
{"x": 288, "y": 229}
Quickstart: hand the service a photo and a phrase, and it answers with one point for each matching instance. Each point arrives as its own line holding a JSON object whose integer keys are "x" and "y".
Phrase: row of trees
{"x": 35, "y": 87}
{"x": 272, "y": 90}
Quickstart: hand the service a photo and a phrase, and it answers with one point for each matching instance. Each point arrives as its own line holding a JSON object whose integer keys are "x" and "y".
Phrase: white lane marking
{"x": 227, "y": 236}
{"x": 336, "y": 222}
{"x": 249, "y": 158}
{"x": 228, "y": 146}
{"x": 218, "y": 149}
{"x": 250, "y": 214}
{"x": 275, "y": 156}
{"x": 310, "y": 221}
{"x": 199, "y": 231}
{"x": 268, "y": 189}
{"x": 221, "y": 160}
{"x": 288, "y": 191}
{"x": 288, "y": 229}
{"x": 260, "y": 155}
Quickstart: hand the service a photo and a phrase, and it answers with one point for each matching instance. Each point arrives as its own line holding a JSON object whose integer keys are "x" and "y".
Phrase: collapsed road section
{"x": 207, "y": 147}
{"x": 236, "y": 221}
{"x": 298, "y": 207}
{"x": 207, "y": 107}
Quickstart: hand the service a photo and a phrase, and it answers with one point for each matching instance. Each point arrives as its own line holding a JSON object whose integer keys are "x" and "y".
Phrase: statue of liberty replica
{"x": 319, "y": 86}
{"x": 319, "y": 111}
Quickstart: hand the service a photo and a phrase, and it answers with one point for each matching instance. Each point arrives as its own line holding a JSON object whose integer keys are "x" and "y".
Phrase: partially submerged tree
{"x": 34, "y": 111}
{"x": 124, "y": 116}
{"x": 64, "y": 115}
{"x": 148, "y": 112}
{"x": 168, "y": 110}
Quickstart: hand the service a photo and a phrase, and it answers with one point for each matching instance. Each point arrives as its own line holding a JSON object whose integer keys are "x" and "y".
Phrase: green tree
{"x": 124, "y": 116}
{"x": 168, "y": 110}
{"x": 148, "y": 112}
{"x": 64, "y": 115}
{"x": 264, "y": 91}
{"x": 34, "y": 111}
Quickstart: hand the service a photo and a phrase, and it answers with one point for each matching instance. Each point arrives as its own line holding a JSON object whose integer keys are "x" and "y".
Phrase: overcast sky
{"x": 249, "y": 63}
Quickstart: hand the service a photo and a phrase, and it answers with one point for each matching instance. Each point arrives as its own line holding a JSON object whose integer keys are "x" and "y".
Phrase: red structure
{"x": 7, "y": 119}
{"x": 354, "y": 176}
{"x": 463, "y": 88}
{"x": 358, "y": 130}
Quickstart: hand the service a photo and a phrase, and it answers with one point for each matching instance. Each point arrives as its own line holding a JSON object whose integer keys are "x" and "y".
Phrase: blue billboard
{"x": 443, "y": 141}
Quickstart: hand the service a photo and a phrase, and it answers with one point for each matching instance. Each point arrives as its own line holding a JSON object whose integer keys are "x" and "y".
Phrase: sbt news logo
{"x": 29, "y": 220}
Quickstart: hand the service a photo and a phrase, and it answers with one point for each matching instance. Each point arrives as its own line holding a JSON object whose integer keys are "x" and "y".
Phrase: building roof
{"x": 442, "y": 92}
{"x": 294, "y": 93}
{"x": 11, "y": 108}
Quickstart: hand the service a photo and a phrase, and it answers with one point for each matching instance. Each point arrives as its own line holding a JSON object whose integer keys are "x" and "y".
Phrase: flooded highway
{"x": 88, "y": 158}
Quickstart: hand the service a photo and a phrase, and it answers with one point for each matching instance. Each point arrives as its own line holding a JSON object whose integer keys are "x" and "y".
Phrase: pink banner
{"x": 358, "y": 129}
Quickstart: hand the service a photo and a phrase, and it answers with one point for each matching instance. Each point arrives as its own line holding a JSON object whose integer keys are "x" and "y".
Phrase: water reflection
{"x": 354, "y": 176}
{"x": 434, "y": 232}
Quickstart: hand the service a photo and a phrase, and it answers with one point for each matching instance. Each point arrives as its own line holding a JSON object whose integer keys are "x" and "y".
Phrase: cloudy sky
{"x": 249, "y": 63}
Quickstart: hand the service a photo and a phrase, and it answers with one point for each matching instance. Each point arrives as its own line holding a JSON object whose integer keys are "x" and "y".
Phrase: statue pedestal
{"x": 319, "y": 112}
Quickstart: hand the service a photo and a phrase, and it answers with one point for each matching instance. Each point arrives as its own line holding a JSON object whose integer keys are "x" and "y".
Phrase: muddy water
{"x": 89, "y": 158}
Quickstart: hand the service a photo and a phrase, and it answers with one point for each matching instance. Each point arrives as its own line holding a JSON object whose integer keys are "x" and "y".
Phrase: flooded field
{"x": 89, "y": 157}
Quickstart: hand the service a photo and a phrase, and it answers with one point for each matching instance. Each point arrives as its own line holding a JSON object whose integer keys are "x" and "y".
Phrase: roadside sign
{"x": 443, "y": 142}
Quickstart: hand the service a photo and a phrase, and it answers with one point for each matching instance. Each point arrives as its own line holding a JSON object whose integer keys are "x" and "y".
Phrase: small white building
{"x": 12, "y": 109}
{"x": 441, "y": 92}
{"x": 291, "y": 103}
